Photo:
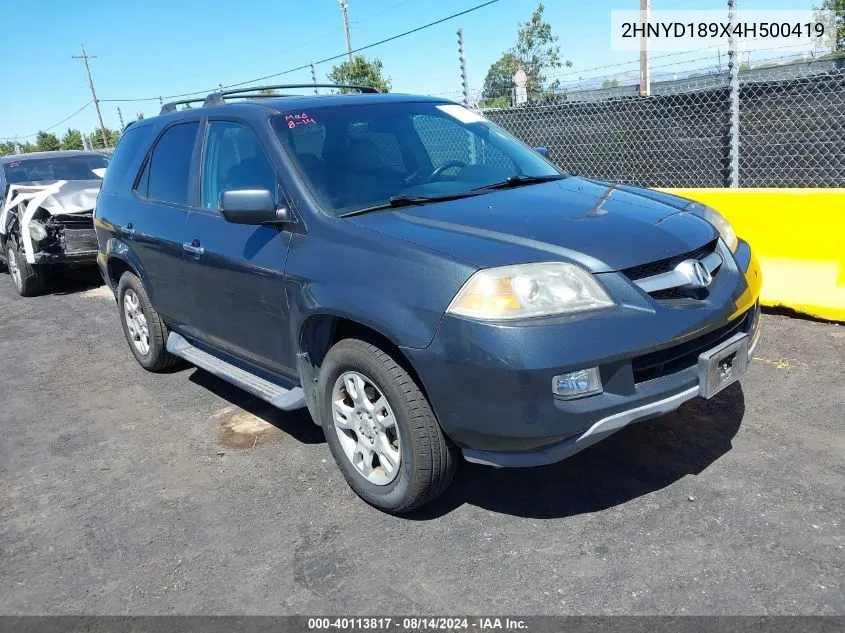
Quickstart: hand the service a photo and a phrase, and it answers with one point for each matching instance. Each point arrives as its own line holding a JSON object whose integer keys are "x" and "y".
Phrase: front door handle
{"x": 194, "y": 249}
{"x": 128, "y": 231}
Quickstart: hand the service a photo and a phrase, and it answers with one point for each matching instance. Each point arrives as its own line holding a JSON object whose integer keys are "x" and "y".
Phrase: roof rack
{"x": 171, "y": 106}
{"x": 254, "y": 92}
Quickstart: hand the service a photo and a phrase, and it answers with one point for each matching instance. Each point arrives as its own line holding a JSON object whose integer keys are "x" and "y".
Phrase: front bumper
{"x": 490, "y": 383}
{"x": 78, "y": 258}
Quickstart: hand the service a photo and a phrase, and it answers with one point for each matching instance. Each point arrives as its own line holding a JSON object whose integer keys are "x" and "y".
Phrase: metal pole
{"x": 314, "y": 77}
{"x": 645, "y": 75}
{"x": 733, "y": 70}
{"x": 344, "y": 5}
{"x": 463, "y": 61}
{"x": 85, "y": 57}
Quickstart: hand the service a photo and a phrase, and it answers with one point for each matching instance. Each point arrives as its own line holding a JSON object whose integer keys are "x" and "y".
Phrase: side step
{"x": 284, "y": 399}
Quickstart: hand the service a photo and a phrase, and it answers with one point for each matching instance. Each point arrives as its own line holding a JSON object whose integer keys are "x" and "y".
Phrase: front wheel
{"x": 381, "y": 429}
{"x": 27, "y": 279}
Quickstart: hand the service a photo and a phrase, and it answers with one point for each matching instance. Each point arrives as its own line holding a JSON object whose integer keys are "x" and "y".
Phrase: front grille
{"x": 674, "y": 359}
{"x": 75, "y": 231}
{"x": 665, "y": 265}
{"x": 80, "y": 240}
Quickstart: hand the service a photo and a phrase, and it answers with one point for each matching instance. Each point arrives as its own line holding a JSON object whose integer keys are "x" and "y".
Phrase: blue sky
{"x": 165, "y": 47}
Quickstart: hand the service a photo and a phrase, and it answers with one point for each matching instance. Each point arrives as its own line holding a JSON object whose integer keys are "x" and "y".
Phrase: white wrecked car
{"x": 46, "y": 213}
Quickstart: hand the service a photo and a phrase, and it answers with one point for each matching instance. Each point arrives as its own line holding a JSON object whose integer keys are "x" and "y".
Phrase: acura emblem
{"x": 695, "y": 273}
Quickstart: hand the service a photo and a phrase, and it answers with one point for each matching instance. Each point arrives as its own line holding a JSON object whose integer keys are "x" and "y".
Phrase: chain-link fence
{"x": 791, "y": 129}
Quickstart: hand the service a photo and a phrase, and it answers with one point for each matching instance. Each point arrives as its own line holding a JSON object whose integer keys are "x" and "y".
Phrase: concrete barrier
{"x": 798, "y": 236}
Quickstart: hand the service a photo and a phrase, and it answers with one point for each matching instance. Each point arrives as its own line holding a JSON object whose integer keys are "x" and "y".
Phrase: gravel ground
{"x": 125, "y": 492}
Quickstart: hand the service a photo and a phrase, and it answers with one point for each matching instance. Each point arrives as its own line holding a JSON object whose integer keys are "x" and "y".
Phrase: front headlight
{"x": 37, "y": 231}
{"x": 529, "y": 290}
{"x": 724, "y": 227}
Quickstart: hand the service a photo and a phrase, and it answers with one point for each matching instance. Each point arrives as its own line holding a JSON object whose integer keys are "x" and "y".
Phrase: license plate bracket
{"x": 723, "y": 365}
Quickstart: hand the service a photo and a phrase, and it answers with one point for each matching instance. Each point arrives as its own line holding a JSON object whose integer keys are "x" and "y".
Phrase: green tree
{"x": 27, "y": 148}
{"x": 7, "y": 148}
{"x": 111, "y": 138}
{"x": 139, "y": 116}
{"x": 266, "y": 91}
{"x": 536, "y": 51}
{"x": 498, "y": 82}
{"x": 47, "y": 142}
{"x": 610, "y": 83}
{"x": 361, "y": 72}
{"x": 72, "y": 140}
{"x": 832, "y": 15}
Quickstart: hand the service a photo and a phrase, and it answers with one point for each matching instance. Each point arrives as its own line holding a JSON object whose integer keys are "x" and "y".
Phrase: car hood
{"x": 73, "y": 196}
{"x": 601, "y": 226}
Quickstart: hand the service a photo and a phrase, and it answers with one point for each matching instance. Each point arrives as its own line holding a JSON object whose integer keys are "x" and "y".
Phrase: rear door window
{"x": 131, "y": 144}
{"x": 169, "y": 166}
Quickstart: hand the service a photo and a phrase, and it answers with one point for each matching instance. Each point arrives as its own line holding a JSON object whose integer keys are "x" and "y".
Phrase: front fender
{"x": 396, "y": 289}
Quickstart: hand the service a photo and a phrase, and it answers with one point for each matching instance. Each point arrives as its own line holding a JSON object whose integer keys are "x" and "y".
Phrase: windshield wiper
{"x": 409, "y": 201}
{"x": 520, "y": 180}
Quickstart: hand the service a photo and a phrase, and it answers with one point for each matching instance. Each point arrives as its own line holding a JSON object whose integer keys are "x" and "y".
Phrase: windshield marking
{"x": 293, "y": 120}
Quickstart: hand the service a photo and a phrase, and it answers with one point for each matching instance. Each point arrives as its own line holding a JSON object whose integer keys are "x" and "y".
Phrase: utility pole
{"x": 645, "y": 76}
{"x": 733, "y": 98}
{"x": 85, "y": 57}
{"x": 314, "y": 76}
{"x": 344, "y": 5}
{"x": 120, "y": 118}
{"x": 463, "y": 61}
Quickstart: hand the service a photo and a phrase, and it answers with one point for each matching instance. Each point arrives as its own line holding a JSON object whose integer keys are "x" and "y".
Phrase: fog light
{"x": 577, "y": 384}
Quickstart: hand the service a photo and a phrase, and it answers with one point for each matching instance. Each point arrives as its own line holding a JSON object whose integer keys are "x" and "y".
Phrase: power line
{"x": 47, "y": 129}
{"x": 322, "y": 61}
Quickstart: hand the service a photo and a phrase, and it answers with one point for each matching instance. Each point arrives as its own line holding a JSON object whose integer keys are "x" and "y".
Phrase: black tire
{"x": 157, "y": 357}
{"x": 428, "y": 459}
{"x": 30, "y": 280}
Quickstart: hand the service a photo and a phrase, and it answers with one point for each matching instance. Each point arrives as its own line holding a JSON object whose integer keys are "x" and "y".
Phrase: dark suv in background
{"x": 423, "y": 282}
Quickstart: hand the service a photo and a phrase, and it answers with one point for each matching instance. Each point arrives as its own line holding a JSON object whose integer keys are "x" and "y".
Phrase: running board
{"x": 284, "y": 399}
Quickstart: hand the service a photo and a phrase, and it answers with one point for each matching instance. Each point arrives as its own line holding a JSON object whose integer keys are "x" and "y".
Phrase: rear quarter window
{"x": 130, "y": 148}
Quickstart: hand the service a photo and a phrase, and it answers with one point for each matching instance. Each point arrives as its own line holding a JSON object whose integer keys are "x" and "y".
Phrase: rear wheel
{"x": 145, "y": 332}
{"x": 27, "y": 279}
{"x": 381, "y": 429}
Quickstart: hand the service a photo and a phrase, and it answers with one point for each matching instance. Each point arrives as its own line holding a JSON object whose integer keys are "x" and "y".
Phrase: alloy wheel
{"x": 366, "y": 427}
{"x": 136, "y": 322}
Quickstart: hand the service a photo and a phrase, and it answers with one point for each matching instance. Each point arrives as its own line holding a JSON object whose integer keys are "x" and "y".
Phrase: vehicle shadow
{"x": 73, "y": 280}
{"x": 636, "y": 461}
{"x": 296, "y": 424}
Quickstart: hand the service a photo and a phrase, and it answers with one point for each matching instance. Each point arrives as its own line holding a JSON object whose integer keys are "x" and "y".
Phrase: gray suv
{"x": 424, "y": 283}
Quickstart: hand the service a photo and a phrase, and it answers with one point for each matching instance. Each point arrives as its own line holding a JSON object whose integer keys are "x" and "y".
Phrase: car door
{"x": 154, "y": 220}
{"x": 236, "y": 271}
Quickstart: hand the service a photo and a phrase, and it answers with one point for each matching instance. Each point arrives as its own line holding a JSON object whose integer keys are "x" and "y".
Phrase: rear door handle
{"x": 194, "y": 249}
{"x": 128, "y": 231}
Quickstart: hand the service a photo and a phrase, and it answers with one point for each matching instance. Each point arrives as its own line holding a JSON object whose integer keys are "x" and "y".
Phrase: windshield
{"x": 360, "y": 156}
{"x": 58, "y": 168}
